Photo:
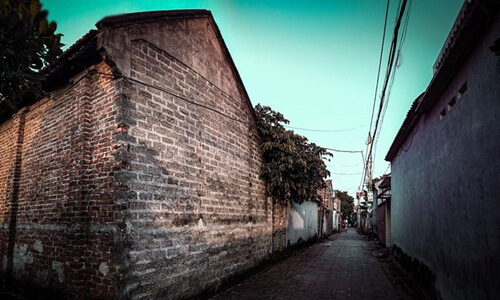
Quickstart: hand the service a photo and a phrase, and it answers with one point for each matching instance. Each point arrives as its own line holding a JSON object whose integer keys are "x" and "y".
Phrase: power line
{"x": 191, "y": 101}
{"x": 364, "y": 170}
{"x": 325, "y": 130}
{"x": 344, "y": 151}
{"x": 390, "y": 65}
{"x": 348, "y": 166}
{"x": 346, "y": 174}
{"x": 380, "y": 63}
{"x": 376, "y": 88}
{"x": 351, "y": 188}
{"x": 194, "y": 102}
{"x": 398, "y": 64}
{"x": 388, "y": 166}
{"x": 184, "y": 98}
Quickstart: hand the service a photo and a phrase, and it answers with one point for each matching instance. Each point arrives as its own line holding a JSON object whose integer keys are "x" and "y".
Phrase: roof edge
{"x": 79, "y": 56}
{"x": 228, "y": 56}
{"x": 405, "y": 129}
{"x": 150, "y": 16}
{"x": 474, "y": 16}
{"x": 167, "y": 15}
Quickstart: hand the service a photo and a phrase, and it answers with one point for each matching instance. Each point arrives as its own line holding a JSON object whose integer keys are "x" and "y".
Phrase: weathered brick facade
{"x": 57, "y": 189}
{"x": 115, "y": 187}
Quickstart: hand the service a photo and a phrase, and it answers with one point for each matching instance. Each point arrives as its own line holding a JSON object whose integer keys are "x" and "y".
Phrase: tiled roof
{"x": 82, "y": 54}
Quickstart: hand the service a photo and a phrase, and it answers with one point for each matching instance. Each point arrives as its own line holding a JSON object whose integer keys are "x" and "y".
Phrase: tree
{"x": 293, "y": 167}
{"x": 28, "y": 45}
{"x": 346, "y": 203}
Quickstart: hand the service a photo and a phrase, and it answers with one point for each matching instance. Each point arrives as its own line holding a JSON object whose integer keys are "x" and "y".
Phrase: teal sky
{"x": 314, "y": 61}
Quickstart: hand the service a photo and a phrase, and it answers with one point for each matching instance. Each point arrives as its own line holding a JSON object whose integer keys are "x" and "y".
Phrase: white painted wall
{"x": 302, "y": 222}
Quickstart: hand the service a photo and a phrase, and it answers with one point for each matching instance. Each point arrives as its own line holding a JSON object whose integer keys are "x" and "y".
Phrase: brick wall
{"x": 280, "y": 218}
{"x": 116, "y": 189}
{"x": 9, "y": 148}
{"x": 197, "y": 210}
{"x": 329, "y": 222}
{"x": 57, "y": 214}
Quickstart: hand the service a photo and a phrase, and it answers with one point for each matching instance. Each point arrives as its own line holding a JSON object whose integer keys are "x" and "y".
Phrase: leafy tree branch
{"x": 294, "y": 169}
{"x": 28, "y": 45}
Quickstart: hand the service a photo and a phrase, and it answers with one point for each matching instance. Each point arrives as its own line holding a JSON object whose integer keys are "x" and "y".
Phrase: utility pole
{"x": 369, "y": 171}
{"x": 365, "y": 200}
{"x": 369, "y": 185}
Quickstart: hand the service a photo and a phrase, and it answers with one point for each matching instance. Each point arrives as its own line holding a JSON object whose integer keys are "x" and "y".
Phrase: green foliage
{"x": 346, "y": 203}
{"x": 28, "y": 44}
{"x": 293, "y": 168}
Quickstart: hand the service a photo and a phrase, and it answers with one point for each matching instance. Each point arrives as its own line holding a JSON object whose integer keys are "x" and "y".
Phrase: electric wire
{"x": 184, "y": 98}
{"x": 324, "y": 130}
{"x": 389, "y": 90}
{"x": 390, "y": 65}
{"x": 388, "y": 167}
{"x": 346, "y": 174}
{"x": 194, "y": 102}
{"x": 344, "y": 151}
{"x": 380, "y": 63}
{"x": 55, "y": 96}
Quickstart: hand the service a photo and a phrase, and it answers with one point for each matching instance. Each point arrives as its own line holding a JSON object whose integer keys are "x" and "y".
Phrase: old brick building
{"x": 139, "y": 176}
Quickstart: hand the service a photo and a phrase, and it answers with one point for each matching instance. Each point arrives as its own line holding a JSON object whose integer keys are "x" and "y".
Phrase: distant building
{"x": 364, "y": 211}
{"x": 337, "y": 214}
{"x": 381, "y": 214}
{"x": 445, "y": 161}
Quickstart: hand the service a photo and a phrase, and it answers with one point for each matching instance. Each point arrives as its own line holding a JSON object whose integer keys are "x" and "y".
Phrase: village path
{"x": 341, "y": 267}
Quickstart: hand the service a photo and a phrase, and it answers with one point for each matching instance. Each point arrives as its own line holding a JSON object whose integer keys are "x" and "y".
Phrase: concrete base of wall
{"x": 420, "y": 272}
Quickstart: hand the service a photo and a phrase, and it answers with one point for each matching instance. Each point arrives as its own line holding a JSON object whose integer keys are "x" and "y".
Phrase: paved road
{"x": 341, "y": 267}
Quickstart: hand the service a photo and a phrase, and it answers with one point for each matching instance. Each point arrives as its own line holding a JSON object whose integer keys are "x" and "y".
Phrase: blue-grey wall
{"x": 445, "y": 188}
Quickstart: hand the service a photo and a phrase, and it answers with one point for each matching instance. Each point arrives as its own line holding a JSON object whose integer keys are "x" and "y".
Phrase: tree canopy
{"x": 28, "y": 44}
{"x": 346, "y": 203}
{"x": 294, "y": 169}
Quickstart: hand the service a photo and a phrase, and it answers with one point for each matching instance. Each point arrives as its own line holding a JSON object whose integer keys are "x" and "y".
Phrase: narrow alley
{"x": 341, "y": 267}
{"x": 220, "y": 149}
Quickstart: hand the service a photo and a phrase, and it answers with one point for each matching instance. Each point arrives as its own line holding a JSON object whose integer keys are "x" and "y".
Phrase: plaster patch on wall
{"x": 59, "y": 268}
{"x": 104, "y": 268}
{"x": 201, "y": 224}
{"x": 22, "y": 257}
{"x": 302, "y": 222}
{"x": 37, "y": 245}
{"x": 296, "y": 220}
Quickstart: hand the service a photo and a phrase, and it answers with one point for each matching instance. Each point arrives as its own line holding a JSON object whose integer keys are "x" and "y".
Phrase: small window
{"x": 442, "y": 114}
{"x": 462, "y": 90}
{"x": 451, "y": 103}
